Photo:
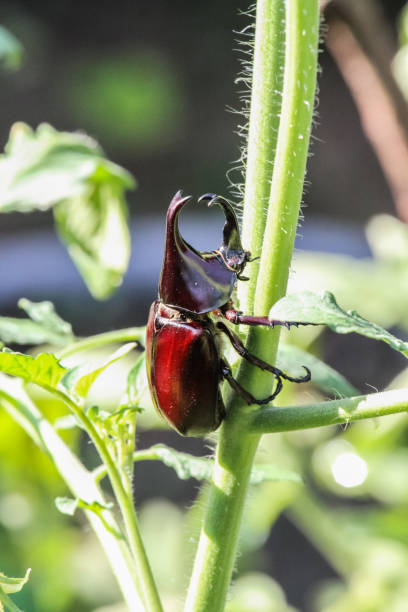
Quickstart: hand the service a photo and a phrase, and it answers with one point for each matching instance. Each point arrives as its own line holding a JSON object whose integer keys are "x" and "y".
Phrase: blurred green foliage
{"x": 135, "y": 100}
{"x": 68, "y": 172}
{"x": 354, "y": 505}
{"x": 400, "y": 63}
{"x": 11, "y": 50}
{"x": 352, "y": 508}
{"x": 360, "y": 529}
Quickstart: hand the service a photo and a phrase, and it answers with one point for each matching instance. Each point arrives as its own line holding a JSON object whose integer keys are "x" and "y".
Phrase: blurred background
{"x": 152, "y": 83}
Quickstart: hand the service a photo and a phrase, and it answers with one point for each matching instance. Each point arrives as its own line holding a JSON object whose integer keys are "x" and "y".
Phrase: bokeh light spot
{"x": 349, "y": 470}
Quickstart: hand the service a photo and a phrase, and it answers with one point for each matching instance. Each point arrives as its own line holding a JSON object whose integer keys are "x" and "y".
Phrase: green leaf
{"x": 43, "y": 370}
{"x": 290, "y": 357}
{"x": 357, "y": 281}
{"x": 403, "y": 26}
{"x": 94, "y": 228}
{"x": 45, "y": 326}
{"x": 11, "y": 50}
{"x": 268, "y": 471}
{"x": 136, "y": 381}
{"x": 43, "y": 167}
{"x": 23, "y": 331}
{"x": 44, "y": 313}
{"x": 186, "y": 466}
{"x": 79, "y": 380}
{"x": 387, "y": 237}
{"x": 117, "y": 415}
{"x": 322, "y": 309}
{"x": 67, "y": 505}
{"x": 13, "y": 585}
{"x": 68, "y": 171}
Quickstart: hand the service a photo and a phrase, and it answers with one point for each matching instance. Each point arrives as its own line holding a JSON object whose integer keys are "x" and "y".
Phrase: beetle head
{"x": 195, "y": 280}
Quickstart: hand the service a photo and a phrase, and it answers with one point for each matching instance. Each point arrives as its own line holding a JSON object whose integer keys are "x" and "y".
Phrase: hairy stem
{"x": 334, "y": 412}
{"x": 266, "y": 100}
{"x": 236, "y": 448}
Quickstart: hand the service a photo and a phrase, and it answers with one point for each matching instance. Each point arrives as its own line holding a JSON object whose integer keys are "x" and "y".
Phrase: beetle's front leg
{"x": 248, "y": 397}
{"x": 256, "y": 361}
{"x": 237, "y": 318}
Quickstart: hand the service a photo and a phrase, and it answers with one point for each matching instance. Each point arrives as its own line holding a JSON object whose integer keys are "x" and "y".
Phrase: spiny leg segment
{"x": 259, "y": 363}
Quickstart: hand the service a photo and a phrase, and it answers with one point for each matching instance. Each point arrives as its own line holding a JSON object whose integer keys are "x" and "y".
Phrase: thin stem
{"x": 236, "y": 448}
{"x": 334, "y": 412}
{"x": 145, "y": 577}
{"x": 8, "y": 602}
{"x": 79, "y": 481}
{"x": 130, "y": 334}
{"x": 148, "y": 454}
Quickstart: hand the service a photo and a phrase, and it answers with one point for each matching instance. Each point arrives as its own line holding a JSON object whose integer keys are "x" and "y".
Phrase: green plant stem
{"x": 130, "y": 334}
{"x": 8, "y": 602}
{"x": 218, "y": 539}
{"x": 266, "y": 99}
{"x": 236, "y": 448}
{"x": 148, "y": 454}
{"x": 81, "y": 484}
{"x": 146, "y": 582}
{"x": 334, "y": 412}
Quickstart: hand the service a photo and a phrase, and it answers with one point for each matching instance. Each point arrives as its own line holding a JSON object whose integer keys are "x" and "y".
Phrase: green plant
{"x": 89, "y": 199}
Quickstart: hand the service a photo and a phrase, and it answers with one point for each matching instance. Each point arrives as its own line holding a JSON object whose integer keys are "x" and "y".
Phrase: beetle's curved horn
{"x": 230, "y": 232}
{"x": 231, "y": 250}
{"x": 196, "y": 281}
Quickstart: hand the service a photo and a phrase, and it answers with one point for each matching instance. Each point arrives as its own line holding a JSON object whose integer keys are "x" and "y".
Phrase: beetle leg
{"x": 248, "y": 397}
{"x": 237, "y": 318}
{"x": 242, "y": 278}
{"x": 259, "y": 363}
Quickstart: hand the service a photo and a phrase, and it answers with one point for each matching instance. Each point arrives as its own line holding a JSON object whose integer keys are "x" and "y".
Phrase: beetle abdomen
{"x": 184, "y": 371}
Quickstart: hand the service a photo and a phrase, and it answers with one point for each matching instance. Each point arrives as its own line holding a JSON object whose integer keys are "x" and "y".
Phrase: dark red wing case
{"x": 183, "y": 371}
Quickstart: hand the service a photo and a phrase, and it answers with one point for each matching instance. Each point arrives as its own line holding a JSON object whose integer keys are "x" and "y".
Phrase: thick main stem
{"x": 266, "y": 100}
{"x": 236, "y": 448}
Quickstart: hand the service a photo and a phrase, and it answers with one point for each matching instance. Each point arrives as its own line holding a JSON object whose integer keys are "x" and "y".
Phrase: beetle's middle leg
{"x": 237, "y": 318}
{"x": 248, "y": 397}
{"x": 256, "y": 361}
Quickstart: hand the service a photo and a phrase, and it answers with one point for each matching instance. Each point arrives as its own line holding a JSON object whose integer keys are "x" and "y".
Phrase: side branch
{"x": 334, "y": 412}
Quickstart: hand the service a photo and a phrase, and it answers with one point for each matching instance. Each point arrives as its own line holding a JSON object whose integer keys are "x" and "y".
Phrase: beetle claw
{"x": 213, "y": 198}
{"x": 207, "y": 196}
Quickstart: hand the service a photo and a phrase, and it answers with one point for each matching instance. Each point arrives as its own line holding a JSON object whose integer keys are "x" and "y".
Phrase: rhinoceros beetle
{"x": 184, "y": 358}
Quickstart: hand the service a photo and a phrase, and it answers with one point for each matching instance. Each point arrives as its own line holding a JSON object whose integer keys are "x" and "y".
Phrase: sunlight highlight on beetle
{"x": 349, "y": 470}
